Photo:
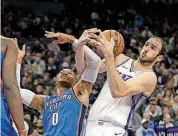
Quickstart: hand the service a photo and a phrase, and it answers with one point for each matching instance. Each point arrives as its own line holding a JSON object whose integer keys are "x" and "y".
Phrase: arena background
{"x": 135, "y": 20}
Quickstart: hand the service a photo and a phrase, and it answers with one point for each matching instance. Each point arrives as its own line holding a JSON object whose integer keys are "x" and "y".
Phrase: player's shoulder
{"x": 5, "y": 39}
{"x": 121, "y": 59}
{"x": 121, "y": 56}
{"x": 6, "y": 43}
{"x": 148, "y": 77}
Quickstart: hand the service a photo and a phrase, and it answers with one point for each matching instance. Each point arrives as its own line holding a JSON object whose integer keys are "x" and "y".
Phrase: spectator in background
{"x": 166, "y": 121}
{"x": 176, "y": 119}
{"x": 175, "y": 82}
{"x": 168, "y": 110}
{"x": 39, "y": 126}
{"x": 146, "y": 33}
{"x": 136, "y": 122}
{"x": 28, "y": 60}
{"x": 46, "y": 78}
{"x": 168, "y": 93}
{"x": 175, "y": 105}
{"x": 49, "y": 89}
{"x": 54, "y": 47}
{"x": 39, "y": 89}
{"x": 155, "y": 108}
{"x": 144, "y": 130}
{"x": 146, "y": 116}
{"x": 151, "y": 123}
{"x": 162, "y": 80}
{"x": 159, "y": 98}
{"x": 38, "y": 67}
{"x": 138, "y": 21}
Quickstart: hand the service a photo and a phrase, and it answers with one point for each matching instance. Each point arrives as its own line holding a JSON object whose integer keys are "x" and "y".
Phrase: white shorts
{"x": 103, "y": 129}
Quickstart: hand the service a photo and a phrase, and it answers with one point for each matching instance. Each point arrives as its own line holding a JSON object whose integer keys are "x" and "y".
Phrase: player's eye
{"x": 152, "y": 48}
{"x": 146, "y": 44}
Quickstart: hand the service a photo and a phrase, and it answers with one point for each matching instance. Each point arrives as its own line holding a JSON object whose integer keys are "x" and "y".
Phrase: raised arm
{"x": 28, "y": 97}
{"x": 90, "y": 72}
{"x": 11, "y": 89}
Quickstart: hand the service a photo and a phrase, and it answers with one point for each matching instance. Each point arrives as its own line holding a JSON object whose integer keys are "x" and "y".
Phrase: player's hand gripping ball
{"x": 118, "y": 40}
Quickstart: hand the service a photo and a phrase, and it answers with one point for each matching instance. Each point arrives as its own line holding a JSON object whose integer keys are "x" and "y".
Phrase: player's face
{"x": 65, "y": 78}
{"x": 150, "y": 51}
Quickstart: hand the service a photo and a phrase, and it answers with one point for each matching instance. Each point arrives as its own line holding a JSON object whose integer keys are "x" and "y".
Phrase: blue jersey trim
{"x": 77, "y": 98}
{"x": 2, "y": 56}
{"x": 81, "y": 117}
{"x": 123, "y": 62}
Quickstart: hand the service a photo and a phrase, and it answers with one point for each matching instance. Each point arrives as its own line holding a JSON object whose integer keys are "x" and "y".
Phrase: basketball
{"x": 118, "y": 39}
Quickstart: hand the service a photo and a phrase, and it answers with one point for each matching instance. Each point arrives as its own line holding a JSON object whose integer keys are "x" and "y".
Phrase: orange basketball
{"x": 118, "y": 39}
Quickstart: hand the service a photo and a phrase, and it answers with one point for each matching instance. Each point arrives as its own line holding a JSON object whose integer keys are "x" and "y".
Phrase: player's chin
{"x": 65, "y": 83}
{"x": 142, "y": 59}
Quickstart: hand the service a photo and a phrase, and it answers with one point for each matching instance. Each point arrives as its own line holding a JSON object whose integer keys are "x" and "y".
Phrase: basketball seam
{"x": 119, "y": 43}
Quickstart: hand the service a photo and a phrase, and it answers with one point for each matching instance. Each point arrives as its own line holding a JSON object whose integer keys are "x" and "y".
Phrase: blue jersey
{"x": 6, "y": 124}
{"x": 1, "y": 59}
{"x": 63, "y": 116}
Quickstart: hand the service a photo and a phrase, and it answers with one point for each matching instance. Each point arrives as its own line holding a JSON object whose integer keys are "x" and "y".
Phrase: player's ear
{"x": 160, "y": 58}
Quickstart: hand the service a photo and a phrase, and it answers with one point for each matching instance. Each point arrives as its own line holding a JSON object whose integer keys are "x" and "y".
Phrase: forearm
{"x": 93, "y": 64}
{"x": 32, "y": 100}
{"x": 15, "y": 105}
{"x": 11, "y": 89}
{"x": 85, "y": 56}
{"x": 80, "y": 60}
{"x": 117, "y": 85}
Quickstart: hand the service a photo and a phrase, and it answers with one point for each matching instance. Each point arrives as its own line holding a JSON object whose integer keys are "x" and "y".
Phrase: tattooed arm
{"x": 37, "y": 102}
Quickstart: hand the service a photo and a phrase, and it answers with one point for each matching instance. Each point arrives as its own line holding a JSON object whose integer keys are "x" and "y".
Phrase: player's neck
{"x": 138, "y": 66}
{"x": 62, "y": 89}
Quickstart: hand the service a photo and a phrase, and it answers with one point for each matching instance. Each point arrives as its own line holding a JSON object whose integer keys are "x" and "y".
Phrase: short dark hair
{"x": 163, "y": 44}
{"x": 152, "y": 99}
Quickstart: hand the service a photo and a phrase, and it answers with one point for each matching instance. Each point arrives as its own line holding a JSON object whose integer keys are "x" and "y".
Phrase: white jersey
{"x": 118, "y": 111}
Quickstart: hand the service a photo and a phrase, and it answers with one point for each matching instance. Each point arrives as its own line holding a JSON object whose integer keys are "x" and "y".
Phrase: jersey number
{"x": 55, "y": 119}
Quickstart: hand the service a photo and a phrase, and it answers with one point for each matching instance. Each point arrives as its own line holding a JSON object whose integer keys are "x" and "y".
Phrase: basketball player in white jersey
{"x": 129, "y": 83}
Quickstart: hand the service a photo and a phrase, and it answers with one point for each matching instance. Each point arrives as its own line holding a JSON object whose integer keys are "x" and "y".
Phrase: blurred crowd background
{"x": 135, "y": 20}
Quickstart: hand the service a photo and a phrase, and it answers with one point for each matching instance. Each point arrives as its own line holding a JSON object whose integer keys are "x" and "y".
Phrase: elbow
{"x": 115, "y": 94}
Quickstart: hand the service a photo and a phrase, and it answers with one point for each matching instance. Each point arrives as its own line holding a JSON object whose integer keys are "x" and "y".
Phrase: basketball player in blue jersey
{"x": 10, "y": 94}
{"x": 63, "y": 113}
{"x": 129, "y": 83}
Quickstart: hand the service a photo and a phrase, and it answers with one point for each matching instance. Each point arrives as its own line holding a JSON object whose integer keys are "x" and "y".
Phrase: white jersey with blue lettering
{"x": 117, "y": 111}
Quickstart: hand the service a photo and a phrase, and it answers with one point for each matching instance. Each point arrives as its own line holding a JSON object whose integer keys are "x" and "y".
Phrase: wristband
{"x": 22, "y": 131}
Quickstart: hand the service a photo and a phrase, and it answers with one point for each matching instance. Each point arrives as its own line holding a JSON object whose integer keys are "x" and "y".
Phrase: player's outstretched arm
{"x": 11, "y": 89}
{"x": 29, "y": 98}
{"x": 64, "y": 38}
